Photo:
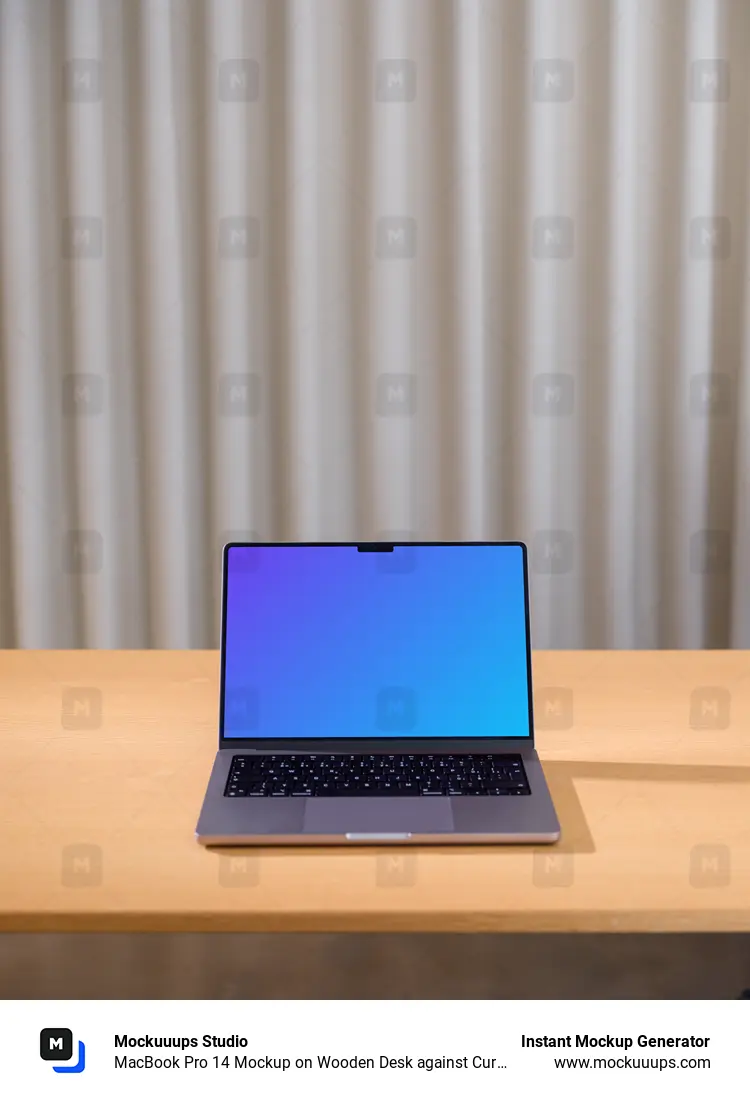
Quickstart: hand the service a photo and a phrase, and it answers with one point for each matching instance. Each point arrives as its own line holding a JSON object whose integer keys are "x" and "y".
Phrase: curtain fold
{"x": 316, "y": 269}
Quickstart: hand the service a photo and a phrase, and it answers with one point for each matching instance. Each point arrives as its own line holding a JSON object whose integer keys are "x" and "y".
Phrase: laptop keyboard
{"x": 332, "y": 776}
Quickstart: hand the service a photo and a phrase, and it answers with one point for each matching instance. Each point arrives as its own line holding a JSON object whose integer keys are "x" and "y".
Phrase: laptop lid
{"x": 354, "y": 647}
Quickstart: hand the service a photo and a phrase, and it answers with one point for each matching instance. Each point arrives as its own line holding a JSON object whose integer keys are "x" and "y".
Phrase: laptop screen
{"x": 417, "y": 641}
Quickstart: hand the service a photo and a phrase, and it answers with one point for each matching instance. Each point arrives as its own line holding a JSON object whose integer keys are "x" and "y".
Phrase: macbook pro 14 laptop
{"x": 376, "y": 693}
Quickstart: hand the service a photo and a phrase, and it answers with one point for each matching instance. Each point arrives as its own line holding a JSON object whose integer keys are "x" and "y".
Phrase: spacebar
{"x": 360, "y": 792}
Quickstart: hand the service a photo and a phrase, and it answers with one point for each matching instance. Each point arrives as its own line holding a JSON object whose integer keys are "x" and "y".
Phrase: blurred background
{"x": 353, "y": 269}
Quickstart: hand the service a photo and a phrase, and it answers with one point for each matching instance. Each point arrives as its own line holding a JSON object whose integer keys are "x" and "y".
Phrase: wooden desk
{"x": 104, "y": 757}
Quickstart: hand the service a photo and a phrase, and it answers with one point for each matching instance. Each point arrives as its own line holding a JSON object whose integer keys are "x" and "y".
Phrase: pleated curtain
{"x": 355, "y": 269}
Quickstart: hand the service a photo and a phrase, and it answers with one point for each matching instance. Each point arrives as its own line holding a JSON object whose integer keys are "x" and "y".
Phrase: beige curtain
{"x": 330, "y": 269}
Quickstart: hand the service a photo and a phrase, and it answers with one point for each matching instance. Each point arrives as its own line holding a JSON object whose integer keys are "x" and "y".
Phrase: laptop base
{"x": 224, "y": 821}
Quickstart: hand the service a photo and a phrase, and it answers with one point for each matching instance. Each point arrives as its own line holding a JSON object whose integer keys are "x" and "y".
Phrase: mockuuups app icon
{"x": 56, "y": 1045}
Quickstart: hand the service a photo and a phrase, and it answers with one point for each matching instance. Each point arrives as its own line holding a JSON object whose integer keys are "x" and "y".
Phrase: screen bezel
{"x": 373, "y": 744}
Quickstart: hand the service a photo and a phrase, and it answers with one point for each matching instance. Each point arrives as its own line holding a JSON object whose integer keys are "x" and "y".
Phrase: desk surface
{"x": 104, "y": 757}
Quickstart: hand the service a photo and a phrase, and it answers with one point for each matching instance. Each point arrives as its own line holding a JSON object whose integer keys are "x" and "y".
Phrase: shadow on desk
{"x": 562, "y": 775}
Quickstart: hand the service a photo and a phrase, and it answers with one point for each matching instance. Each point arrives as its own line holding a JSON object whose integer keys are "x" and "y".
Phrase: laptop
{"x": 376, "y": 693}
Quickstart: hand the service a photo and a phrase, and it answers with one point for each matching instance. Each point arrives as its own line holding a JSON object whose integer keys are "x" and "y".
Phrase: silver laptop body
{"x": 281, "y": 719}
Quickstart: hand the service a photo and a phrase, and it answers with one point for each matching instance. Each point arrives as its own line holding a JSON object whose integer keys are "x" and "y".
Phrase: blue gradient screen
{"x": 420, "y": 641}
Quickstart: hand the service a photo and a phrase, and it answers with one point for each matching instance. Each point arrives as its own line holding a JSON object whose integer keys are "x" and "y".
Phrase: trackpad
{"x": 378, "y": 815}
